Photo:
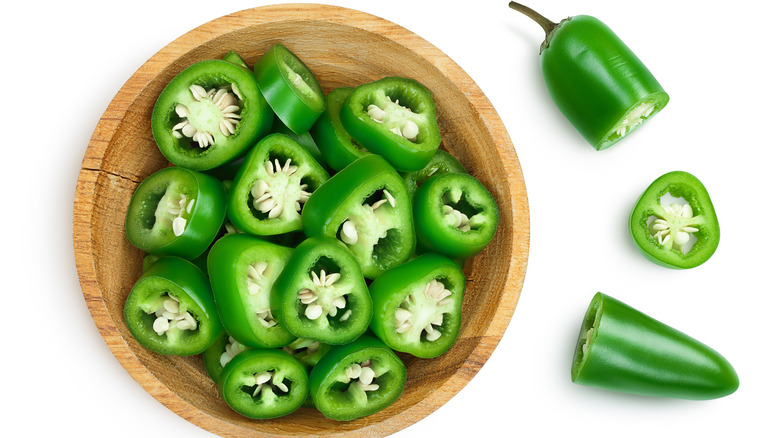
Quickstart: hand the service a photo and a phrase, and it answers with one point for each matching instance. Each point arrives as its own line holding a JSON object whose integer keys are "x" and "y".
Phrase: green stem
{"x": 546, "y": 24}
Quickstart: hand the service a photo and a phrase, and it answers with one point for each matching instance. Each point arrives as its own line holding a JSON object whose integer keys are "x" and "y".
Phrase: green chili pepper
{"x": 262, "y": 384}
{"x": 395, "y": 118}
{"x": 209, "y": 114}
{"x": 357, "y": 379}
{"x": 417, "y": 306}
{"x": 290, "y": 87}
{"x": 455, "y": 215}
{"x": 622, "y": 349}
{"x": 274, "y": 181}
{"x": 219, "y": 353}
{"x": 366, "y": 206}
{"x": 175, "y": 211}
{"x": 677, "y": 235}
{"x": 596, "y": 81}
{"x": 338, "y": 148}
{"x": 441, "y": 163}
{"x": 321, "y": 294}
{"x": 171, "y": 310}
{"x": 242, "y": 269}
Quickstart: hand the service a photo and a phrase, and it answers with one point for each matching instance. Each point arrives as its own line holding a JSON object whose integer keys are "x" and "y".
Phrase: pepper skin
{"x": 175, "y": 211}
{"x": 663, "y": 233}
{"x": 209, "y": 114}
{"x": 396, "y": 118}
{"x": 171, "y": 310}
{"x": 596, "y": 81}
{"x": 262, "y": 384}
{"x": 357, "y": 379}
{"x": 622, "y": 349}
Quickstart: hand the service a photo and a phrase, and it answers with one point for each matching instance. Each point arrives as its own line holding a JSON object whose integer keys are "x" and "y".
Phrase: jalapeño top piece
{"x": 681, "y": 234}
{"x": 622, "y": 349}
{"x": 396, "y": 118}
{"x": 175, "y": 211}
{"x": 366, "y": 206}
{"x": 290, "y": 87}
{"x": 596, "y": 81}
{"x": 338, "y": 148}
{"x": 275, "y": 180}
{"x": 209, "y": 114}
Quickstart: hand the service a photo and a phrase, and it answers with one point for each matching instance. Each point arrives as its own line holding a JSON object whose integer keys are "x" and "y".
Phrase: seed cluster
{"x": 397, "y": 117}
{"x": 169, "y": 315}
{"x": 232, "y": 348}
{"x": 635, "y": 118}
{"x": 177, "y": 209}
{"x": 314, "y": 298}
{"x": 225, "y": 99}
{"x": 427, "y": 313}
{"x": 349, "y": 232}
{"x": 674, "y": 226}
{"x": 267, "y": 200}
{"x": 363, "y": 375}
{"x": 456, "y": 218}
{"x": 254, "y": 277}
{"x": 265, "y": 382}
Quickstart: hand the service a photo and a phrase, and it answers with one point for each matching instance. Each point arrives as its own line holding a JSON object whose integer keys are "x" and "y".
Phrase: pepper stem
{"x": 546, "y": 24}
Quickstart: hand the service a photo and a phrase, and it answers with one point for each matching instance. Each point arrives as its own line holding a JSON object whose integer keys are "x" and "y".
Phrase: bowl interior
{"x": 342, "y": 48}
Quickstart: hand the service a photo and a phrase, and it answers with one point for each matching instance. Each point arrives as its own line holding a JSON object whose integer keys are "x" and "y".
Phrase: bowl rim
{"x": 111, "y": 120}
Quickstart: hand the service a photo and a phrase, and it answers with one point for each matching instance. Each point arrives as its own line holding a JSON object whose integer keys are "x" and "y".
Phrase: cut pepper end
{"x": 587, "y": 336}
{"x": 633, "y": 118}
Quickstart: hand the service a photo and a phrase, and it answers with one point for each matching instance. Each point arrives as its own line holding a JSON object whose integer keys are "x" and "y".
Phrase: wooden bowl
{"x": 343, "y": 48}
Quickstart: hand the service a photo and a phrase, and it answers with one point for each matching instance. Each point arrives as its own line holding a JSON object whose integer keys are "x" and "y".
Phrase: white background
{"x": 64, "y": 62}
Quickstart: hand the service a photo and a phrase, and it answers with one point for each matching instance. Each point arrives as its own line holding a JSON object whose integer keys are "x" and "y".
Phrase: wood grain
{"x": 342, "y": 47}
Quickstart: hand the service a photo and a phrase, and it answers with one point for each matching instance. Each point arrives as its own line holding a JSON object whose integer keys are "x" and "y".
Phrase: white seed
{"x": 234, "y": 88}
{"x": 349, "y": 233}
{"x": 402, "y": 315}
{"x": 188, "y": 130}
{"x": 161, "y": 325}
{"x": 181, "y": 111}
{"x": 266, "y": 205}
{"x": 378, "y": 203}
{"x": 687, "y": 211}
{"x": 332, "y": 278}
{"x": 375, "y": 113}
{"x": 178, "y": 226}
{"x": 681, "y": 238}
{"x": 371, "y": 387}
{"x": 275, "y": 212}
{"x": 690, "y": 229}
{"x": 389, "y": 197}
{"x": 313, "y": 311}
{"x": 410, "y": 130}
{"x": 353, "y": 371}
{"x": 346, "y": 315}
{"x": 339, "y": 302}
{"x": 366, "y": 375}
{"x": 198, "y": 92}
{"x": 269, "y": 168}
{"x": 432, "y": 335}
{"x": 263, "y": 377}
{"x": 171, "y": 306}
{"x": 282, "y": 386}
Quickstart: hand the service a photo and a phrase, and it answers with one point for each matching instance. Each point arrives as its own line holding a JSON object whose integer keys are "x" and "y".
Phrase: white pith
{"x": 638, "y": 114}
{"x": 280, "y": 188}
{"x": 214, "y": 111}
{"x": 361, "y": 375}
{"x": 256, "y": 279}
{"x": 356, "y": 227}
{"x": 168, "y": 315}
{"x": 423, "y": 312}
{"x": 325, "y": 297}
{"x": 232, "y": 348}
{"x": 675, "y": 227}
{"x": 265, "y": 381}
{"x": 399, "y": 119}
